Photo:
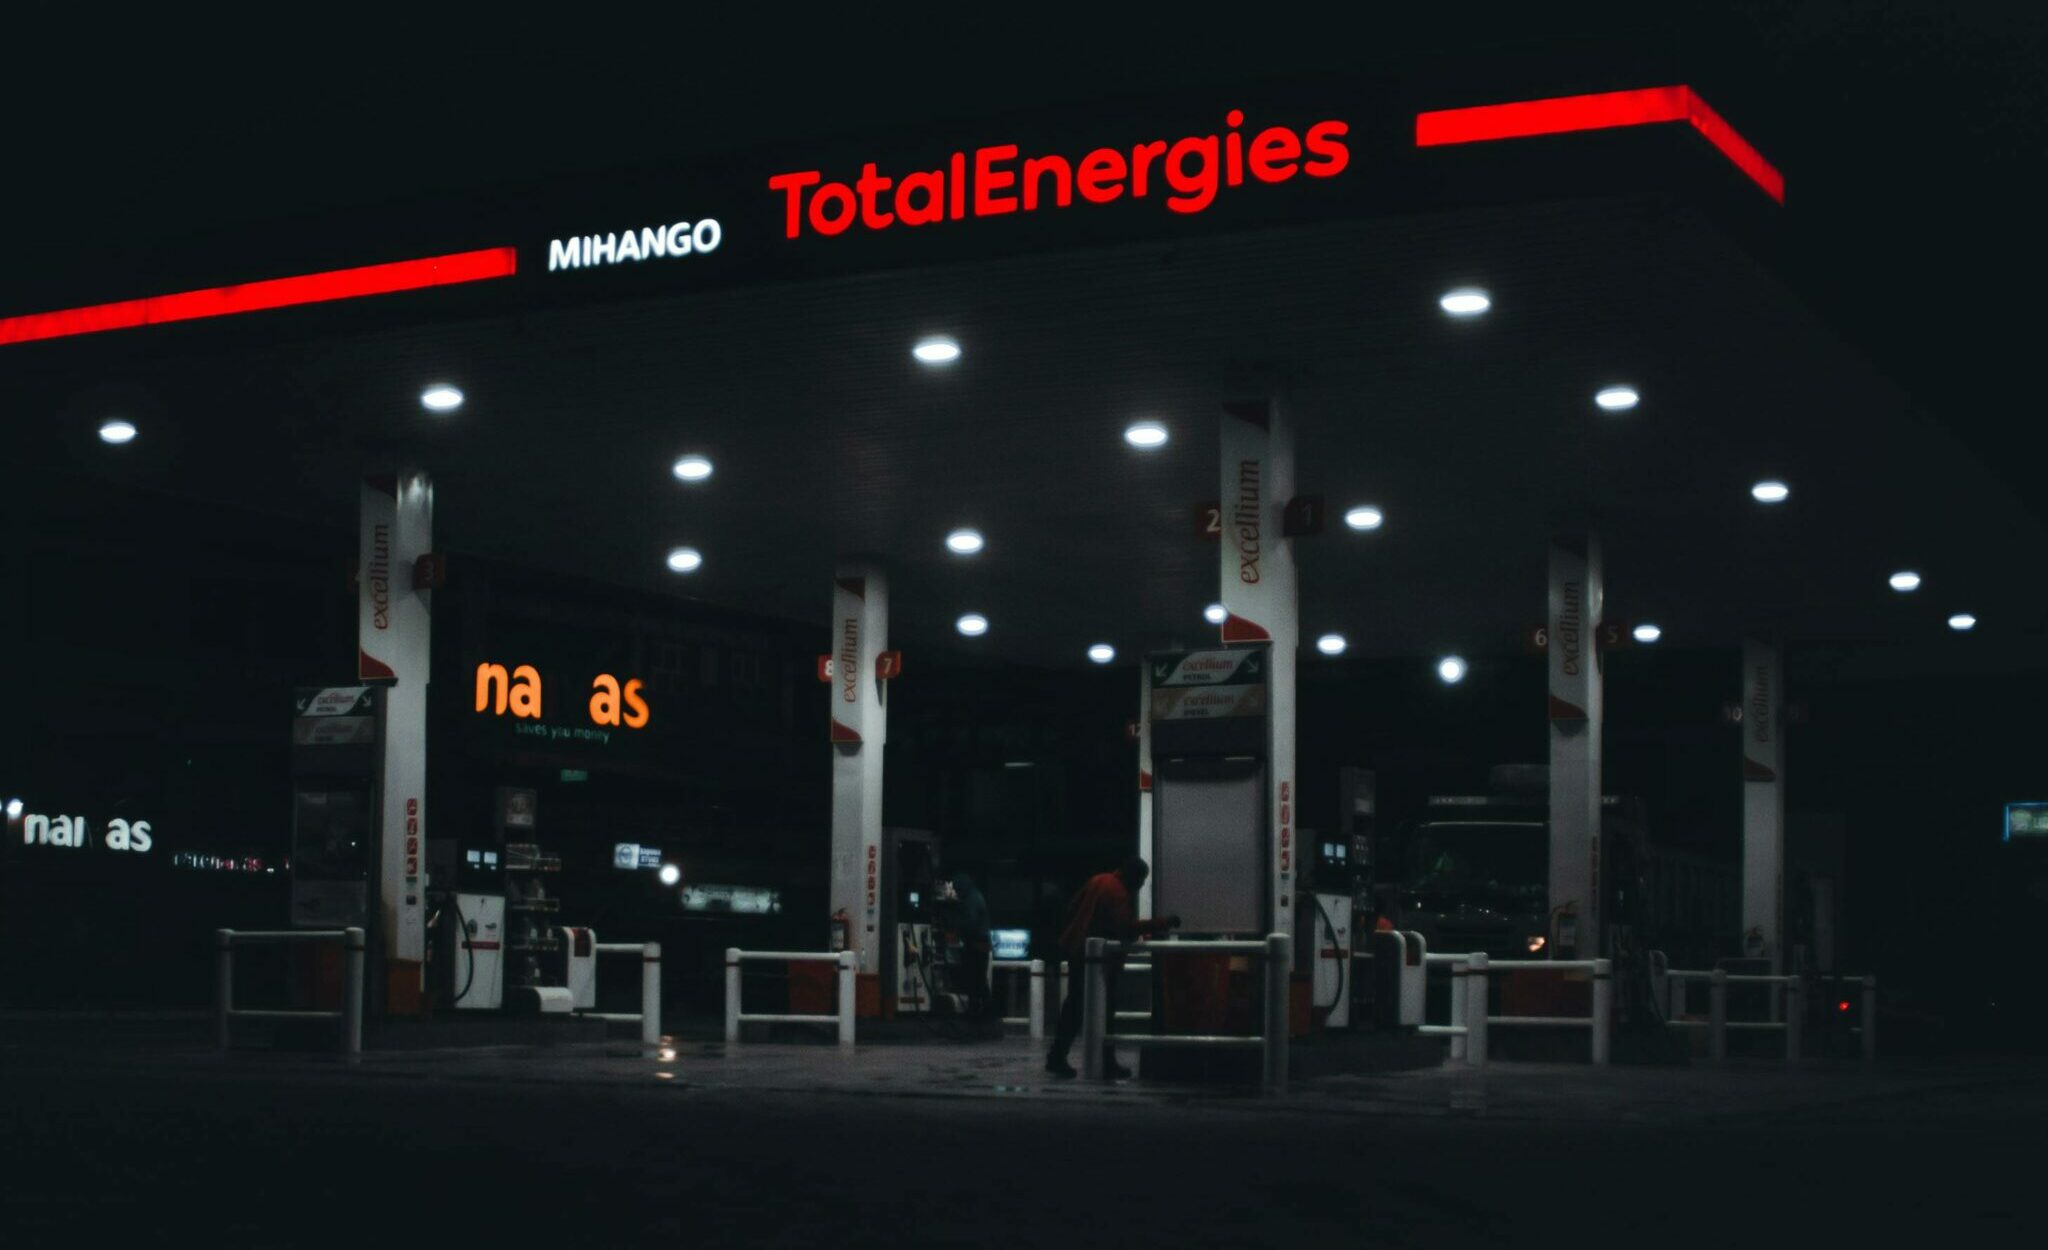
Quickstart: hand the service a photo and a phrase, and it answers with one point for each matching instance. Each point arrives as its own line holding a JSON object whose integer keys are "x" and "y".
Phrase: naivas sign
{"x": 517, "y": 691}
{"x": 74, "y": 832}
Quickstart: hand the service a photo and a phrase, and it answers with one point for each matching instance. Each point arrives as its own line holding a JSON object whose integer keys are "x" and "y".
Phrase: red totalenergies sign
{"x": 992, "y": 181}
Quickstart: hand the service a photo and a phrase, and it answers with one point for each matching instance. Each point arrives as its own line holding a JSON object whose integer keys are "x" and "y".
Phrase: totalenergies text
{"x": 992, "y": 181}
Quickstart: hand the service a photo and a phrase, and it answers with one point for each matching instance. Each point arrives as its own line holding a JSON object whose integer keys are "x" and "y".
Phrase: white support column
{"x": 650, "y": 994}
{"x": 1261, "y": 601}
{"x": 860, "y": 633}
{"x": 394, "y": 632}
{"x": 1763, "y": 803}
{"x": 1145, "y": 785}
{"x": 845, "y": 1004}
{"x": 1475, "y": 1011}
{"x": 732, "y": 994}
{"x": 1577, "y": 712}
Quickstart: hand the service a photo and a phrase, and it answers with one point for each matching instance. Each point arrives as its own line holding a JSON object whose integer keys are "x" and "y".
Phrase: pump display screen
{"x": 1010, "y": 943}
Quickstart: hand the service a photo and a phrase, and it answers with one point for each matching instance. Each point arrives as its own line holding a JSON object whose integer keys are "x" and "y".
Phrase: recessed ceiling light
{"x": 964, "y": 542}
{"x": 116, "y": 432}
{"x": 693, "y": 468}
{"x": 1215, "y": 614}
{"x": 685, "y": 559}
{"x": 1905, "y": 580}
{"x": 1146, "y": 435}
{"x": 1451, "y": 669}
{"x": 1617, "y": 398}
{"x": 1770, "y": 490}
{"x": 974, "y": 624}
{"x": 1365, "y": 517}
{"x": 1102, "y": 653}
{"x": 1961, "y": 622}
{"x": 1466, "y": 301}
{"x": 936, "y": 350}
{"x": 1648, "y": 633}
{"x": 1331, "y": 644}
{"x": 442, "y": 398}
{"x": 670, "y": 874}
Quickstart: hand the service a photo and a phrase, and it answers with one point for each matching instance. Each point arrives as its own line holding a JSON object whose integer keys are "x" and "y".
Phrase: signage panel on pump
{"x": 1209, "y": 668}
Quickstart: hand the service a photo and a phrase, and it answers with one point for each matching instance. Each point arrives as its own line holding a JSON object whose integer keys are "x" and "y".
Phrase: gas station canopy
{"x": 1616, "y": 248}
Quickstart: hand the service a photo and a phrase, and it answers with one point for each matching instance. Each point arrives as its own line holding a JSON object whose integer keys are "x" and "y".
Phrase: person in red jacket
{"x": 1104, "y": 909}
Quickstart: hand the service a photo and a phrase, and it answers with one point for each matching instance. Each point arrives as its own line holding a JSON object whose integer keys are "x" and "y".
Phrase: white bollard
{"x": 224, "y": 983}
{"x": 846, "y": 966}
{"x": 1038, "y": 1000}
{"x": 650, "y": 994}
{"x": 1094, "y": 1010}
{"x": 1603, "y": 1011}
{"x": 1274, "y": 1036}
{"x": 1460, "y": 971}
{"x": 1870, "y": 1017}
{"x": 1476, "y": 1008}
{"x": 1717, "y": 1016}
{"x": 732, "y": 993}
{"x": 352, "y": 993}
{"x": 1795, "y": 1016}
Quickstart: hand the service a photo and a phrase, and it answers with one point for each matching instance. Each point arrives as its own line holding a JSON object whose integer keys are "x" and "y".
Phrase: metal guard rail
{"x": 1468, "y": 1004}
{"x": 734, "y": 1017}
{"x": 1471, "y": 1022}
{"x": 350, "y": 1016}
{"x": 649, "y": 1015}
{"x": 1793, "y": 1025}
{"x": 1036, "y": 969}
{"x": 1138, "y": 963}
{"x": 1271, "y": 1040}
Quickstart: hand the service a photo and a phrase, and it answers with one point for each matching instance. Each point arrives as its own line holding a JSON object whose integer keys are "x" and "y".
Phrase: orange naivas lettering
{"x": 518, "y": 691}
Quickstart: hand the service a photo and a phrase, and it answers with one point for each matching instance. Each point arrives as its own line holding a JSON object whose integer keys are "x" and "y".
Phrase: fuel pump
{"x": 909, "y": 888}
{"x": 1325, "y": 924}
{"x": 337, "y": 785}
{"x": 337, "y": 794}
{"x": 1210, "y": 839}
{"x": 467, "y": 886}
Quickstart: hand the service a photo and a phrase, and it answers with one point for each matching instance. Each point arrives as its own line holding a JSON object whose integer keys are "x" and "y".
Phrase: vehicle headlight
{"x": 1536, "y": 943}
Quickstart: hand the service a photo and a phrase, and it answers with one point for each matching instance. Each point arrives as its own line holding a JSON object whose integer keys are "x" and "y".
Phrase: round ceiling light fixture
{"x": 1905, "y": 581}
{"x": 973, "y": 625}
{"x": 936, "y": 350}
{"x": 14, "y": 809}
{"x": 1102, "y": 653}
{"x": 1145, "y": 435}
{"x": 693, "y": 468}
{"x": 1962, "y": 622}
{"x": 1331, "y": 644}
{"x": 964, "y": 541}
{"x": 1365, "y": 517}
{"x": 1466, "y": 301}
{"x": 1215, "y": 614}
{"x": 1770, "y": 490}
{"x": 1617, "y": 398}
{"x": 1452, "y": 669}
{"x": 441, "y": 398}
{"x": 685, "y": 560}
{"x": 116, "y": 431}
{"x": 670, "y": 874}
{"x": 1647, "y": 633}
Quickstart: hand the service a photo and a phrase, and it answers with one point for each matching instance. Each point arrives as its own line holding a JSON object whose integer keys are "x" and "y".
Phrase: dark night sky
{"x": 1912, "y": 134}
